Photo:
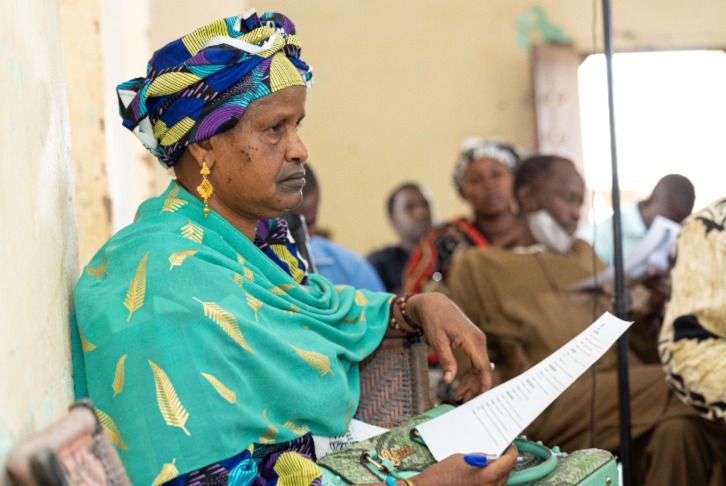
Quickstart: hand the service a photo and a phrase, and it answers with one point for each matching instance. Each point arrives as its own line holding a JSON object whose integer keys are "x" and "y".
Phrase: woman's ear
{"x": 202, "y": 152}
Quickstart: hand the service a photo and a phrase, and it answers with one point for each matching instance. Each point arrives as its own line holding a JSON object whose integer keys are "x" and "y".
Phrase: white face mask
{"x": 547, "y": 231}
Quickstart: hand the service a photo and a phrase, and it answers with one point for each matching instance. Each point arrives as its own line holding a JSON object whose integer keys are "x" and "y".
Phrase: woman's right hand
{"x": 454, "y": 470}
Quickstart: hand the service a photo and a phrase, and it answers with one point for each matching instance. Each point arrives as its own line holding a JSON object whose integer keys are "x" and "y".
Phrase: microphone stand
{"x": 620, "y": 305}
{"x": 299, "y": 232}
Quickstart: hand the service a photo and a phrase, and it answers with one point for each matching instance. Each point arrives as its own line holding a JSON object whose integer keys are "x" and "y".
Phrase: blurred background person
{"x": 332, "y": 261}
{"x": 522, "y": 299}
{"x": 483, "y": 176}
{"x": 409, "y": 212}
{"x": 692, "y": 342}
{"x": 672, "y": 197}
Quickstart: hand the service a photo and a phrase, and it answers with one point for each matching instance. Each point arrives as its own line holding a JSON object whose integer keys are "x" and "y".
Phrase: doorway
{"x": 670, "y": 117}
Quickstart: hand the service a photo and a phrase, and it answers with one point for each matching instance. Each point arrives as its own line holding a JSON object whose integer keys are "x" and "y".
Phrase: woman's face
{"x": 259, "y": 164}
{"x": 487, "y": 186}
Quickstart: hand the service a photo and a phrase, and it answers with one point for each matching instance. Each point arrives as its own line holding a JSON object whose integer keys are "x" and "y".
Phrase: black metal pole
{"x": 620, "y": 306}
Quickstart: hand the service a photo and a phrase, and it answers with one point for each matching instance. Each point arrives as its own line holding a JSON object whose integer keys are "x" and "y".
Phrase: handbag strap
{"x": 540, "y": 470}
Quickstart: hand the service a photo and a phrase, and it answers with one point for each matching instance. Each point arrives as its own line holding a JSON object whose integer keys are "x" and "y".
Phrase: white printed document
{"x": 652, "y": 252}
{"x": 491, "y": 421}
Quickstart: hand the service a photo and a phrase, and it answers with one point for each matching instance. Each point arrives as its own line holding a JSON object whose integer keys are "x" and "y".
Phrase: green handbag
{"x": 400, "y": 453}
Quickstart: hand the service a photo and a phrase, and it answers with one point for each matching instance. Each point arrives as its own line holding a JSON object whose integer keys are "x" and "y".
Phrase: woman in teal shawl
{"x": 208, "y": 352}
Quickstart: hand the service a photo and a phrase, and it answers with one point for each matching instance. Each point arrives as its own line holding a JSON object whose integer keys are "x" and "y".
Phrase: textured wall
{"x": 399, "y": 83}
{"x": 38, "y": 245}
{"x": 84, "y": 85}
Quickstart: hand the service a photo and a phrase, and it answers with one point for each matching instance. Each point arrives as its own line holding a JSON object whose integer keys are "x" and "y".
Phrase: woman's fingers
{"x": 506, "y": 462}
{"x": 446, "y": 328}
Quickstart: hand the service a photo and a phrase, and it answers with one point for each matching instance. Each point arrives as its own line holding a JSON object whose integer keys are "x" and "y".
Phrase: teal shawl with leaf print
{"x": 192, "y": 343}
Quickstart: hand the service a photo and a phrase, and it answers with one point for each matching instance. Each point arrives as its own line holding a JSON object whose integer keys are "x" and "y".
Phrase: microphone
{"x": 299, "y": 232}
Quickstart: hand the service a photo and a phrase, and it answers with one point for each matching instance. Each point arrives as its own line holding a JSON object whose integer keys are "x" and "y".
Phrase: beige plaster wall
{"x": 38, "y": 246}
{"x": 133, "y": 174}
{"x": 83, "y": 74}
{"x": 399, "y": 83}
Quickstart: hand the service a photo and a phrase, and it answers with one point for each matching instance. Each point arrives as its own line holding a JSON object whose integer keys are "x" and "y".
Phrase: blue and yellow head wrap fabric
{"x": 200, "y": 85}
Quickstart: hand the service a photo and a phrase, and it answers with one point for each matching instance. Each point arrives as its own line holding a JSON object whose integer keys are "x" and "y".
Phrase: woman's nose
{"x": 297, "y": 151}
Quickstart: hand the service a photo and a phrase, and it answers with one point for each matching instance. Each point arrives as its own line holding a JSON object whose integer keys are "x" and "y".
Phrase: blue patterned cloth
{"x": 200, "y": 85}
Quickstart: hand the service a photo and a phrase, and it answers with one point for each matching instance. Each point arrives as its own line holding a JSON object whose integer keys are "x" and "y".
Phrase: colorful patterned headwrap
{"x": 200, "y": 85}
{"x": 473, "y": 148}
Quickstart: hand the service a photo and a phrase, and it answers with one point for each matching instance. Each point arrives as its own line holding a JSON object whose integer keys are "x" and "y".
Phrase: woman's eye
{"x": 275, "y": 128}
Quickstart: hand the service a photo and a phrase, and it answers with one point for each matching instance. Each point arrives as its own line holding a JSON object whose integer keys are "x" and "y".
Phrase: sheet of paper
{"x": 490, "y": 422}
{"x": 357, "y": 431}
{"x": 651, "y": 252}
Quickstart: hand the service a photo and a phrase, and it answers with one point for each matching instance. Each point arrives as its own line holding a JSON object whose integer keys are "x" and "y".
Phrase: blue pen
{"x": 479, "y": 459}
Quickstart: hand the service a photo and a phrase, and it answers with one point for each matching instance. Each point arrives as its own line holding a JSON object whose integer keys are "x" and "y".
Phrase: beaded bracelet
{"x": 401, "y": 301}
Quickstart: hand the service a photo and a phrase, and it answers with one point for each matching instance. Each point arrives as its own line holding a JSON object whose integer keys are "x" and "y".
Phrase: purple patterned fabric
{"x": 264, "y": 458}
{"x": 274, "y": 232}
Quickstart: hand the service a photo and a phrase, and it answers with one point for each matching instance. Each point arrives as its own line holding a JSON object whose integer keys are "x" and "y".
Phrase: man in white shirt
{"x": 672, "y": 198}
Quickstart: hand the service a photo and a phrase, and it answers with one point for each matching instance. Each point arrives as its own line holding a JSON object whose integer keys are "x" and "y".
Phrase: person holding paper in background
{"x": 672, "y": 197}
{"x": 521, "y": 299}
{"x": 649, "y": 230}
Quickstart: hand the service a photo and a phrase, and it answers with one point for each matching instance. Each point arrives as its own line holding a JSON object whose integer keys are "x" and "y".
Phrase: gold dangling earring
{"x": 205, "y": 189}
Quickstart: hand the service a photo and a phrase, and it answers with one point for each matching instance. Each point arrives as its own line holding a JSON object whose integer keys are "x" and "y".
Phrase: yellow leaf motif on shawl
{"x": 226, "y": 321}
{"x": 86, "y": 345}
{"x": 249, "y": 275}
{"x": 277, "y": 291}
{"x": 137, "y": 290}
{"x": 296, "y": 429}
{"x": 111, "y": 428}
{"x": 255, "y": 305}
{"x": 293, "y": 309}
{"x": 360, "y": 299}
{"x": 354, "y": 320}
{"x": 240, "y": 259}
{"x": 171, "y": 408}
{"x": 339, "y": 288}
{"x": 172, "y": 202}
{"x": 176, "y": 259}
{"x": 238, "y": 279}
{"x": 317, "y": 360}
{"x": 118, "y": 377}
{"x": 99, "y": 271}
{"x": 268, "y": 436}
{"x": 192, "y": 232}
{"x": 168, "y": 472}
{"x": 292, "y": 468}
{"x": 223, "y": 391}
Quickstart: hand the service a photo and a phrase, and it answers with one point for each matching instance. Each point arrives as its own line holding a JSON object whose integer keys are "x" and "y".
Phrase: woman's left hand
{"x": 447, "y": 328}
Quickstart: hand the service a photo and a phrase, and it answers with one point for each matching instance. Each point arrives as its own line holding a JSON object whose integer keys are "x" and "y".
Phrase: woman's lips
{"x": 297, "y": 178}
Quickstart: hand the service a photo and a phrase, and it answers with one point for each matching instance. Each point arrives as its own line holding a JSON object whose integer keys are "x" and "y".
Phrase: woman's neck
{"x": 504, "y": 229}
{"x": 247, "y": 225}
